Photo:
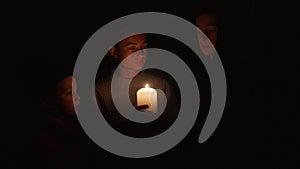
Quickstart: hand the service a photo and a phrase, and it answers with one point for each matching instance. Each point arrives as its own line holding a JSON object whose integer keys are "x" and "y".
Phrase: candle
{"x": 147, "y": 96}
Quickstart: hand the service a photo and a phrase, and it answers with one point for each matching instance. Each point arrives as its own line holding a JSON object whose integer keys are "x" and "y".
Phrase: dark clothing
{"x": 156, "y": 80}
{"x": 61, "y": 143}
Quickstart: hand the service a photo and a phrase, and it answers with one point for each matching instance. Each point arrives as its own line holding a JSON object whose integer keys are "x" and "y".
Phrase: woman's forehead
{"x": 140, "y": 38}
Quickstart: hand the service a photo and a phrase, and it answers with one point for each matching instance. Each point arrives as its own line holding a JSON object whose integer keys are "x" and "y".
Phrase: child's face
{"x": 64, "y": 95}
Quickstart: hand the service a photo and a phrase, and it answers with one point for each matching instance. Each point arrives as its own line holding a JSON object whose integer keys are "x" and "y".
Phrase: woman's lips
{"x": 139, "y": 62}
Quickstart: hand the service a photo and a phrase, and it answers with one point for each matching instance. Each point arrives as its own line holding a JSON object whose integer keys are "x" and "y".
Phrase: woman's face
{"x": 64, "y": 95}
{"x": 129, "y": 46}
{"x": 208, "y": 25}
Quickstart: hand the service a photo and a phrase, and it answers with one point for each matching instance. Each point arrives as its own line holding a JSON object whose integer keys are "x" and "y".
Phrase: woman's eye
{"x": 132, "y": 48}
{"x": 210, "y": 32}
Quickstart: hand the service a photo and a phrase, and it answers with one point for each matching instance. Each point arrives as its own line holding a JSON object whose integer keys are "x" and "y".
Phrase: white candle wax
{"x": 147, "y": 96}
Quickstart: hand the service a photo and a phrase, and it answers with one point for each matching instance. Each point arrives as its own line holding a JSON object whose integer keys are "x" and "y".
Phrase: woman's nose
{"x": 141, "y": 51}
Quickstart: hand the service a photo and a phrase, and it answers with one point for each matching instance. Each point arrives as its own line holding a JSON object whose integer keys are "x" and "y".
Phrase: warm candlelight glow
{"x": 147, "y": 96}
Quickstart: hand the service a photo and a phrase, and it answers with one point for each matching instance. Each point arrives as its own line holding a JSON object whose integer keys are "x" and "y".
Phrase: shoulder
{"x": 103, "y": 84}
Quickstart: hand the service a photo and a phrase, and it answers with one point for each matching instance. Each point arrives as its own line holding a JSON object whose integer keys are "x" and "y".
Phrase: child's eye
{"x": 68, "y": 92}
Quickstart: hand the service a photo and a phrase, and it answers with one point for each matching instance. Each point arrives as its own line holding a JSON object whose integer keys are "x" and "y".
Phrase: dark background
{"x": 258, "y": 43}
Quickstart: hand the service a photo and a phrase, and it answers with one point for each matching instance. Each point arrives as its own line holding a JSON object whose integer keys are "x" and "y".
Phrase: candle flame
{"x": 147, "y": 86}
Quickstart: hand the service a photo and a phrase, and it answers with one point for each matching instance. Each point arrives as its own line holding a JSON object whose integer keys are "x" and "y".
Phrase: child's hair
{"x": 43, "y": 77}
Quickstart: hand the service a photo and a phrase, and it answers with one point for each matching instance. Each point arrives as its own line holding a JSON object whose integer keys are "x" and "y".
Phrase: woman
{"x": 130, "y": 56}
